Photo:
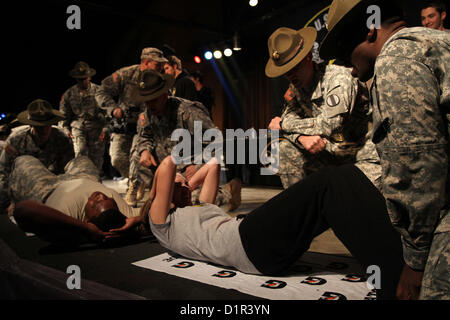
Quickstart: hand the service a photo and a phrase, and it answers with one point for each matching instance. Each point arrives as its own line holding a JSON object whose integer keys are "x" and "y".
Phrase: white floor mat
{"x": 315, "y": 276}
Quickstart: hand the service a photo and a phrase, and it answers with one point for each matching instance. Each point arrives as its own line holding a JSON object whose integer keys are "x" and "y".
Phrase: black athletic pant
{"x": 276, "y": 234}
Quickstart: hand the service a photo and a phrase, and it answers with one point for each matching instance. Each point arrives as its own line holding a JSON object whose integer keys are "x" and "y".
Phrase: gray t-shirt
{"x": 70, "y": 198}
{"x": 204, "y": 232}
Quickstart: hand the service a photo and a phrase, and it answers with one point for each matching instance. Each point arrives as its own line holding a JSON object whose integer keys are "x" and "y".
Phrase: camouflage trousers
{"x": 31, "y": 180}
{"x": 119, "y": 151}
{"x": 86, "y": 142}
{"x": 436, "y": 277}
{"x": 296, "y": 164}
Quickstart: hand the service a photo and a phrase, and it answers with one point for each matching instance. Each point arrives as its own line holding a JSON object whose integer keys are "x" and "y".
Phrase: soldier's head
{"x": 173, "y": 66}
{"x": 152, "y": 89}
{"x": 152, "y": 59}
{"x": 433, "y": 14}
{"x": 40, "y": 116}
{"x": 103, "y": 211}
{"x": 290, "y": 55}
{"x": 83, "y": 74}
{"x": 369, "y": 32}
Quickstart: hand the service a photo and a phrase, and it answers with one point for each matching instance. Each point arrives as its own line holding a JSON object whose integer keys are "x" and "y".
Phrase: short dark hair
{"x": 438, "y": 5}
{"x": 109, "y": 219}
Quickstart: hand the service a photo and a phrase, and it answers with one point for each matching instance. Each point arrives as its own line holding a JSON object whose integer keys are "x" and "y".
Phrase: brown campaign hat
{"x": 346, "y": 18}
{"x": 40, "y": 113}
{"x": 287, "y": 48}
{"x": 81, "y": 70}
{"x": 150, "y": 85}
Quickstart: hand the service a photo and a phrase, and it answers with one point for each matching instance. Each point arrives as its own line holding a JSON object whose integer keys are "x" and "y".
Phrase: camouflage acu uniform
{"x": 115, "y": 91}
{"x": 156, "y": 134}
{"x": 337, "y": 109}
{"x": 54, "y": 155}
{"x": 31, "y": 180}
{"x": 86, "y": 121}
{"x": 411, "y": 105}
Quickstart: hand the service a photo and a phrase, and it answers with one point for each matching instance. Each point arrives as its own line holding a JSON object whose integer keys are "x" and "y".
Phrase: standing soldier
{"x": 114, "y": 96}
{"x": 166, "y": 114}
{"x": 326, "y": 119}
{"x": 410, "y": 95}
{"x": 38, "y": 138}
{"x": 84, "y": 121}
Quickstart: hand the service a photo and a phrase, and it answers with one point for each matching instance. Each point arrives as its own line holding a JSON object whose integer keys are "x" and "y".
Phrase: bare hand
{"x": 147, "y": 160}
{"x": 275, "y": 124}
{"x": 409, "y": 284}
{"x": 313, "y": 144}
{"x": 118, "y": 113}
{"x": 189, "y": 172}
{"x": 102, "y": 137}
{"x": 94, "y": 233}
{"x": 130, "y": 223}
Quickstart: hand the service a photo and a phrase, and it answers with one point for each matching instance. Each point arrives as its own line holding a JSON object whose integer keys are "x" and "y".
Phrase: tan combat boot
{"x": 131, "y": 194}
{"x": 140, "y": 192}
{"x": 235, "y": 187}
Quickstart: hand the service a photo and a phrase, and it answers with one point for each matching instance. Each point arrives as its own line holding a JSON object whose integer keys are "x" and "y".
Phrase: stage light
{"x": 217, "y": 54}
{"x": 236, "y": 44}
{"x": 208, "y": 55}
{"x": 253, "y": 3}
{"x": 197, "y": 59}
{"x": 228, "y": 52}
{"x": 3, "y": 116}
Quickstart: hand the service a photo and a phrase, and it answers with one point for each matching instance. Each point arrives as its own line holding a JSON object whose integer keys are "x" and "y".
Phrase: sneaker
{"x": 235, "y": 187}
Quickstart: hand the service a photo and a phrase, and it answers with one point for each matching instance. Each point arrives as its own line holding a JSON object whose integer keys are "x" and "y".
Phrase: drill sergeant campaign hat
{"x": 347, "y": 25}
{"x": 81, "y": 70}
{"x": 150, "y": 85}
{"x": 287, "y": 48}
{"x": 153, "y": 54}
{"x": 40, "y": 113}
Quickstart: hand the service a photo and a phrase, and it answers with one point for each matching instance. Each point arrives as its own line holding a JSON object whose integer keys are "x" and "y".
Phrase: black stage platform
{"x": 31, "y": 268}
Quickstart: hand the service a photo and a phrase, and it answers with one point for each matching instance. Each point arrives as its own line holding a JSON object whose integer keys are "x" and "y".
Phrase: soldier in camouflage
{"x": 39, "y": 139}
{"x": 411, "y": 102}
{"x": 84, "y": 121}
{"x": 114, "y": 96}
{"x": 166, "y": 114}
{"x": 326, "y": 118}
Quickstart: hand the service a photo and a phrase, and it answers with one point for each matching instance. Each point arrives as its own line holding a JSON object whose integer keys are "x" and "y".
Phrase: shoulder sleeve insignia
{"x": 289, "y": 95}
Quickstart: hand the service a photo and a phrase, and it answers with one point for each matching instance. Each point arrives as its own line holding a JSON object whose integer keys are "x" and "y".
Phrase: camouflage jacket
{"x": 55, "y": 154}
{"x": 115, "y": 91}
{"x": 155, "y": 134}
{"x": 411, "y": 104}
{"x": 337, "y": 109}
{"x": 81, "y": 109}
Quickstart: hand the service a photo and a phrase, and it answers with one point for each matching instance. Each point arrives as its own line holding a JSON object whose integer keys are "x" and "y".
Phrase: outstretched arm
{"x": 53, "y": 225}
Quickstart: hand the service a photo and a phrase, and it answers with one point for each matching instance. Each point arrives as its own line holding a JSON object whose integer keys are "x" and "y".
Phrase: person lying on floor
{"x": 270, "y": 239}
{"x": 75, "y": 207}
{"x": 71, "y": 208}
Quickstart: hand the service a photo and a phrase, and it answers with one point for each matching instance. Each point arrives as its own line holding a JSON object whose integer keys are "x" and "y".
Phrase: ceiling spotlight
{"x": 208, "y": 55}
{"x": 217, "y": 54}
{"x": 228, "y": 52}
{"x": 236, "y": 44}
{"x": 253, "y": 3}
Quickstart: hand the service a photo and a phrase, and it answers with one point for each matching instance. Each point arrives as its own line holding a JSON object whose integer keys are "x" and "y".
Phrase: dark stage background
{"x": 39, "y": 50}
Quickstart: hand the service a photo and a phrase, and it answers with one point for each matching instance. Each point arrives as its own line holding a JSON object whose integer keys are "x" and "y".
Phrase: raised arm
{"x": 162, "y": 191}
